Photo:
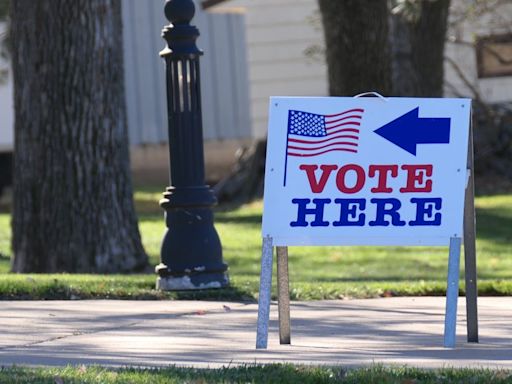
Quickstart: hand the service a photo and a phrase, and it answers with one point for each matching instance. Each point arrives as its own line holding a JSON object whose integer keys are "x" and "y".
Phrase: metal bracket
{"x": 283, "y": 295}
{"x": 452, "y": 293}
{"x": 264, "y": 293}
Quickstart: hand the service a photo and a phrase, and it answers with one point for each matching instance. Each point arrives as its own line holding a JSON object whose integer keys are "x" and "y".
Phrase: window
{"x": 494, "y": 56}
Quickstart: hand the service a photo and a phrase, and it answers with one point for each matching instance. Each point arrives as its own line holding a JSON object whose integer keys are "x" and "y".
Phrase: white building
{"x": 255, "y": 49}
{"x": 280, "y": 31}
{"x": 225, "y": 89}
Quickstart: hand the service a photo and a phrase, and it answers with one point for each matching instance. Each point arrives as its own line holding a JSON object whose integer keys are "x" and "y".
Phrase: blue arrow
{"x": 409, "y": 130}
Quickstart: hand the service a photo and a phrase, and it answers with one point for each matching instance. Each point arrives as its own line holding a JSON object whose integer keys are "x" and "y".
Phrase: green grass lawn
{"x": 315, "y": 272}
{"x": 272, "y": 373}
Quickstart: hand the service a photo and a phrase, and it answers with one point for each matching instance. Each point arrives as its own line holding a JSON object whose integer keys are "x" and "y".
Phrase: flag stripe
{"x": 330, "y": 121}
{"x": 345, "y": 112}
{"x": 314, "y": 141}
{"x": 356, "y": 123}
{"x": 323, "y": 146}
{"x": 320, "y": 153}
{"x": 354, "y": 130}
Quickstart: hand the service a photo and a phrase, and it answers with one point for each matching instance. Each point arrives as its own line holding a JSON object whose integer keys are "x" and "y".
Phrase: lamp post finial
{"x": 179, "y": 11}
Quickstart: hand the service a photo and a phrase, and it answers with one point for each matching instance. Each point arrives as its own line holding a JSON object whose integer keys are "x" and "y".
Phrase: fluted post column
{"x": 191, "y": 253}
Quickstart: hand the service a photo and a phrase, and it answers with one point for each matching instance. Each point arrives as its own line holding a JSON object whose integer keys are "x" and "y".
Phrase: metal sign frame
{"x": 452, "y": 292}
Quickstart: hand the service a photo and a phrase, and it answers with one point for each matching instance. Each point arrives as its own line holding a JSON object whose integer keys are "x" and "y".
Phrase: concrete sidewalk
{"x": 160, "y": 333}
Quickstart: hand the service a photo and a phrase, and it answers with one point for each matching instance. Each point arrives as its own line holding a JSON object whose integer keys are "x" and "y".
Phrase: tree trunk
{"x": 245, "y": 183}
{"x": 72, "y": 202}
{"x": 356, "y": 39}
{"x": 418, "y": 49}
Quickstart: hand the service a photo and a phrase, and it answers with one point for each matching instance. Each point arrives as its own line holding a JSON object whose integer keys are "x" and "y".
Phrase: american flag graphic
{"x": 310, "y": 134}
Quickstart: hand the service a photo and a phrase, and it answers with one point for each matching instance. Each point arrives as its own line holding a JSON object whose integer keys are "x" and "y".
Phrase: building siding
{"x": 278, "y": 33}
{"x": 224, "y": 80}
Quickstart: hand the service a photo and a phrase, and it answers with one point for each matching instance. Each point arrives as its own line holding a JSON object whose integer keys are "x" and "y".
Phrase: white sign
{"x": 365, "y": 171}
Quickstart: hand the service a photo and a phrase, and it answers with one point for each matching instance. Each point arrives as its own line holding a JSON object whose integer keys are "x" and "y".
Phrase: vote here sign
{"x": 365, "y": 171}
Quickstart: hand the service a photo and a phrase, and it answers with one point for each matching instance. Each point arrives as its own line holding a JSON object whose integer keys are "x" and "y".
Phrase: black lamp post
{"x": 191, "y": 254}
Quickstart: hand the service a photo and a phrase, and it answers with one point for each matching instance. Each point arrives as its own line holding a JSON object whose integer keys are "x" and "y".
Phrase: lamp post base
{"x": 191, "y": 253}
{"x": 195, "y": 281}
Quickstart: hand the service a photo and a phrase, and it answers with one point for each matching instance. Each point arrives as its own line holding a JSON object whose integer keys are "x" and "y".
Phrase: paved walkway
{"x": 159, "y": 333}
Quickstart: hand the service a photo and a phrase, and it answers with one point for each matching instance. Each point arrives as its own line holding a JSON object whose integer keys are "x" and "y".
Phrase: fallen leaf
{"x": 389, "y": 293}
{"x": 201, "y": 312}
{"x": 501, "y": 375}
{"x": 226, "y": 308}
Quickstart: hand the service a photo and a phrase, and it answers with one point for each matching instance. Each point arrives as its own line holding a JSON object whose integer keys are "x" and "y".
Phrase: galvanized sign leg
{"x": 452, "y": 293}
{"x": 283, "y": 294}
{"x": 264, "y": 293}
{"x": 470, "y": 250}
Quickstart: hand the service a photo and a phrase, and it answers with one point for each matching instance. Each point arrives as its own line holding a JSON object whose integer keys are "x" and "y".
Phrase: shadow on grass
{"x": 70, "y": 289}
{"x": 223, "y": 294}
{"x": 246, "y": 219}
{"x": 494, "y": 225}
{"x": 152, "y": 217}
{"x": 491, "y": 224}
{"x": 5, "y": 263}
{"x": 147, "y": 208}
{"x": 219, "y": 218}
{"x": 367, "y": 279}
